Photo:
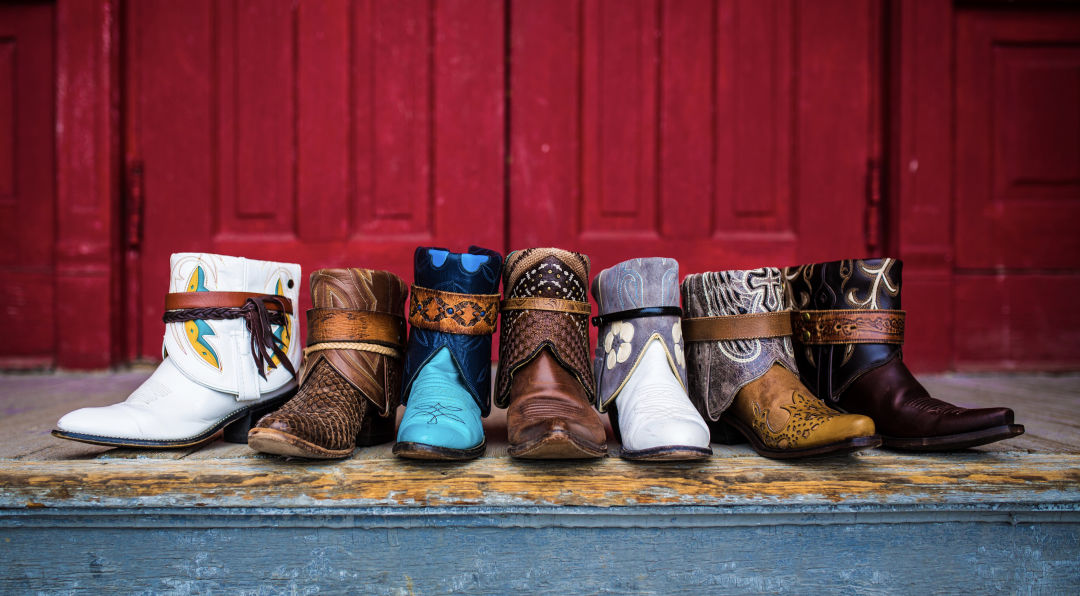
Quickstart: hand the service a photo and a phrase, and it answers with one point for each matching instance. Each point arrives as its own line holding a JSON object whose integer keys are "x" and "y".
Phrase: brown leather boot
{"x": 544, "y": 379}
{"x": 847, "y": 337}
{"x": 351, "y": 378}
{"x": 741, "y": 370}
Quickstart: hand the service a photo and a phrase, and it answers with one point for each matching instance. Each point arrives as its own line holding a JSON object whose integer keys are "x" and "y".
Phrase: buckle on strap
{"x": 549, "y": 304}
{"x": 360, "y": 326}
{"x": 732, "y": 327}
{"x": 848, "y": 326}
{"x": 451, "y": 312}
{"x": 635, "y": 313}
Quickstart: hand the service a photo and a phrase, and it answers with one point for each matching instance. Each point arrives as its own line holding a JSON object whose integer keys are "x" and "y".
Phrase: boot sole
{"x": 276, "y": 442}
{"x": 838, "y": 448}
{"x": 424, "y": 451}
{"x": 665, "y": 453}
{"x": 957, "y": 441}
{"x": 557, "y": 445}
{"x": 669, "y": 453}
{"x": 236, "y": 425}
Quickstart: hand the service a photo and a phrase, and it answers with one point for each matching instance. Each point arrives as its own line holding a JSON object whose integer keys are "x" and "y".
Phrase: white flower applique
{"x": 676, "y": 336}
{"x": 617, "y": 343}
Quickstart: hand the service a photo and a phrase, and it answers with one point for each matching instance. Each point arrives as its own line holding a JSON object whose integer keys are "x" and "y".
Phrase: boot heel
{"x": 613, "y": 417}
{"x": 725, "y": 434}
{"x": 375, "y": 430}
{"x": 237, "y": 430}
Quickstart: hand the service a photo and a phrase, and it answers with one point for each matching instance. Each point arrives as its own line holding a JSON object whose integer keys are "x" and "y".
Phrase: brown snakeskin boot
{"x": 544, "y": 380}
{"x": 351, "y": 378}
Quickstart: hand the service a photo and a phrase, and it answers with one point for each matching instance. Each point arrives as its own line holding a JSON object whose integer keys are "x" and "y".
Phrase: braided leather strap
{"x": 848, "y": 326}
{"x": 258, "y": 316}
{"x": 450, "y": 312}
{"x": 357, "y": 346}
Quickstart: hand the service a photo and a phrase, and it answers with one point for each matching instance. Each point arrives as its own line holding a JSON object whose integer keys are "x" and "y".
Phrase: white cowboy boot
{"x": 640, "y": 367}
{"x": 230, "y": 351}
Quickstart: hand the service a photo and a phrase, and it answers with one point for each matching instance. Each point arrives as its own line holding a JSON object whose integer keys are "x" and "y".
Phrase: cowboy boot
{"x": 848, "y": 332}
{"x": 640, "y": 367}
{"x": 453, "y": 309}
{"x": 230, "y": 353}
{"x": 742, "y": 370}
{"x": 351, "y": 378}
{"x": 544, "y": 380}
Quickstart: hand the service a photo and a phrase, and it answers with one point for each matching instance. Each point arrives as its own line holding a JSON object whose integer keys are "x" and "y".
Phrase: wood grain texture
{"x": 224, "y": 518}
{"x": 497, "y": 553}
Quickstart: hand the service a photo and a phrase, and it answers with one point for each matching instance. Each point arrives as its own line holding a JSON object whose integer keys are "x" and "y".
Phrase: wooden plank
{"x": 874, "y": 478}
{"x": 551, "y": 551}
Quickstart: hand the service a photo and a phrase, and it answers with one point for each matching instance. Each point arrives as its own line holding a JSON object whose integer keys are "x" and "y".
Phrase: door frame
{"x": 92, "y": 224}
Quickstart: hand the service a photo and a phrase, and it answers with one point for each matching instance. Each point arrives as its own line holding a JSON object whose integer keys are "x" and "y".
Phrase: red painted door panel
{"x": 27, "y": 187}
{"x": 338, "y": 133}
{"x": 1017, "y": 187}
{"x": 725, "y": 134}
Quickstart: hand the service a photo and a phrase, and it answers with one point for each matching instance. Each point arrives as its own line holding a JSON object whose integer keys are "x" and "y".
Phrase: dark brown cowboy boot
{"x": 351, "y": 376}
{"x": 848, "y": 333}
{"x": 544, "y": 378}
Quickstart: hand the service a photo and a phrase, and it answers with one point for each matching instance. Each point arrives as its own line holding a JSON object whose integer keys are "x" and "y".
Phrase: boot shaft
{"x": 718, "y": 369}
{"x": 637, "y": 301}
{"x": 852, "y": 284}
{"x": 218, "y": 352}
{"x": 362, "y": 312}
{"x": 530, "y": 325}
{"x": 454, "y": 304}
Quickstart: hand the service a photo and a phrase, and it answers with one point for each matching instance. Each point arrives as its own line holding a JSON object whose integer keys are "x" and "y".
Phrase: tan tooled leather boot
{"x": 351, "y": 377}
{"x": 742, "y": 371}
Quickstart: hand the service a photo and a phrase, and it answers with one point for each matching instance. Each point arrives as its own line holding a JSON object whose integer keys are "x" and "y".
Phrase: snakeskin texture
{"x": 327, "y": 411}
{"x": 867, "y": 284}
{"x": 471, "y": 353}
{"x": 637, "y": 283}
{"x": 719, "y": 369}
{"x": 375, "y": 376}
{"x": 544, "y": 273}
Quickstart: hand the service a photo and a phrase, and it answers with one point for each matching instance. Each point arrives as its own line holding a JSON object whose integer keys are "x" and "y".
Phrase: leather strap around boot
{"x": 730, "y": 327}
{"x": 259, "y": 312}
{"x": 848, "y": 326}
{"x": 360, "y": 330}
{"x": 450, "y": 312}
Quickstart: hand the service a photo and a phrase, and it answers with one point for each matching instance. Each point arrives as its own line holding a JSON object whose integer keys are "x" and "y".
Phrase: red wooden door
{"x": 27, "y": 187}
{"x": 337, "y": 133}
{"x": 1017, "y": 188}
{"x": 725, "y": 134}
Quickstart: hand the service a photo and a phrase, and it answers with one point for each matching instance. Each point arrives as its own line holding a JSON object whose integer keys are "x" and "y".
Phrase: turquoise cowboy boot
{"x": 453, "y": 308}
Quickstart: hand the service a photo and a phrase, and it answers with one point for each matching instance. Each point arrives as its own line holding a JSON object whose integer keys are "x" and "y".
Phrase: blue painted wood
{"x": 557, "y": 550}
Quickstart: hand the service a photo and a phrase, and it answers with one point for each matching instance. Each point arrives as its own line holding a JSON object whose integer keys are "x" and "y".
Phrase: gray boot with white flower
{"x": 640, "y": 367}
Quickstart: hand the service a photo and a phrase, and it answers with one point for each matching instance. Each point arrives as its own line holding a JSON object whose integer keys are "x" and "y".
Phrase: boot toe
{"x": 442, "y": 434}
{"x": 105, "y": 421}
{"x": 668, "y": 433}
{"x": 842, "y": 428}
